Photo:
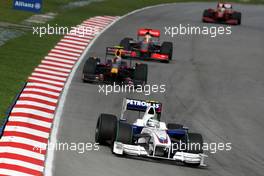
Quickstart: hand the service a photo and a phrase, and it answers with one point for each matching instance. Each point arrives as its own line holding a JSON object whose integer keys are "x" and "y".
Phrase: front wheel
{"x": 207, "y": 13}
{"x": 89, "y": 68}
{"x": 237, "y": 16}
{"x": 195, "y": 146}
{"x": 195, "y": 142}
{"x": 106, "y": 126}
{"x": 167, "y": 49}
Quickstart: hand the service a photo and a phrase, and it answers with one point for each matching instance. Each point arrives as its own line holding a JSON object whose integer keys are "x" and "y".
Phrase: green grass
{"x": 8, "y": 14}
{"x": 19, "y": 56}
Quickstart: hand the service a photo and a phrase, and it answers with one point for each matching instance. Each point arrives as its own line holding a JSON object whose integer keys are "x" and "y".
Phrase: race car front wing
{"x": 136, "y": 150}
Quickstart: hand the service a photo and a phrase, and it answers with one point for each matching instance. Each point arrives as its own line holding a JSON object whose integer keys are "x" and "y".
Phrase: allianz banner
{"x": 28, "y": 5}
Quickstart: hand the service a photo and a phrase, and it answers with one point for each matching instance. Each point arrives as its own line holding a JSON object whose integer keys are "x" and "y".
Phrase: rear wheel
{"x": 106, "y": 126}
{"x": 125, "y": 43}
{"x": 89, "y": 67}
{"x": 167, "y": 48}
{"x": 124, "y": 133}
{"x": 237, "y": 16}
{"x": 141, "y": 73}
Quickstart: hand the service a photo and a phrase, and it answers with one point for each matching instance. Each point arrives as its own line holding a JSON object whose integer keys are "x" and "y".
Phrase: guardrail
{"x": 9, "y": 110}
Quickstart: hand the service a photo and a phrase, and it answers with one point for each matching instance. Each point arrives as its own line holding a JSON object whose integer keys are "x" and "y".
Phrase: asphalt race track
{"x": 214, "y": 86}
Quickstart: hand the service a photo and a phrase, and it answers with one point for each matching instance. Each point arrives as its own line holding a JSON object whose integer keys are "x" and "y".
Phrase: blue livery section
{"x": 136, "y": 129}
{"x": 140, "y": 105}
{"x": 28, "y": 5}
{"x": 171, "y": 133}
{"x": 176, "y": 132}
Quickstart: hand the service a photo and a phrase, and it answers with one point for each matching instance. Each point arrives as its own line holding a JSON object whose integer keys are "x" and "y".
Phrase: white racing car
{"x": 148, "y": 136}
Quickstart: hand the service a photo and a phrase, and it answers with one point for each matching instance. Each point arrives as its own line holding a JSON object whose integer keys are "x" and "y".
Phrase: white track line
{"x": 48, "y": 76}
{"x": 27, "y": 131}
{"x": 54, "y": 68}
{"x": 65, "y": 52}
{"x": 22, "y": 152}
{"x": 51, "y": 72}
{"x": 70, "y": 45}
{"x": 57, "y": 64}
{"x": 30, "y": 121}
{"x": 34, "y": 103}
{"x": 12, "y": 172}
{"x": 33, "y": 111}
{"x": 62, "y": 56}
{"x": 24, "y": 164}
{"x": 45, "y": 85}
{"x": 57, "y": 82}
{"x": 35, "y": 95}
{"x": 29, "y": 142}
{"x": 27, "y": 88}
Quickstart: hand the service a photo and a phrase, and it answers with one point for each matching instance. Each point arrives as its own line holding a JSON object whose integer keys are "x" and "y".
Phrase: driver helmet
{"x": 118, "y": 58}
{"x": 221, "y": 7}
{"x": 147, "y": 37}
{"x": 153, "y": 123}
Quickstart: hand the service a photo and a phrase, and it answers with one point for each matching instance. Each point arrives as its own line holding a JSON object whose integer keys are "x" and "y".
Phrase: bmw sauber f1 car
{"x": 222, "y": 14}
{"x": 147, "y": 46}
{"x": 148, "y": 136}
{"x": 114, "y": 70}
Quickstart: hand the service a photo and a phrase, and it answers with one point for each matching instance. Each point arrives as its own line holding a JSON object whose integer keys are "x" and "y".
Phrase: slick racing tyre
{"x": 124, "y": 133}
{"x": 173, "y": 126}
{"x": 141, "y": 73}
{"x": 207, "y": 13}
{"x": 106, "y": 126}
{"x": 237, "y": 16}
{"x": 167, "y": 48}
{"x": 125, "y": 43}
{"x": 90, "y": 67}
{"x": 195, "y": 141}
{"x": 195, "y": 145}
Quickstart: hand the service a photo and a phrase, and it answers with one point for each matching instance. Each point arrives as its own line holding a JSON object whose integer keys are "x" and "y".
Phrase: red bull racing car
{"x": 147, "y": 46}
{"x": 224, "y": 14}
{"x": 114, "y": 70}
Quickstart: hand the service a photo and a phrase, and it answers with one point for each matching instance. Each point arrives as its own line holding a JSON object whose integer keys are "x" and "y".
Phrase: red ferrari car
{"x": 224, "y": 13}
{"x": 147, "y": 46}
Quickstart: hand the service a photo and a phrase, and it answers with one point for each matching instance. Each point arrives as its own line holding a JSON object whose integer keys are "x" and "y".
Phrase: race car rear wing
{"x": 152, "y": 32}
{"x": 140, "y": 106}
{"x": 112, "y": 51}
